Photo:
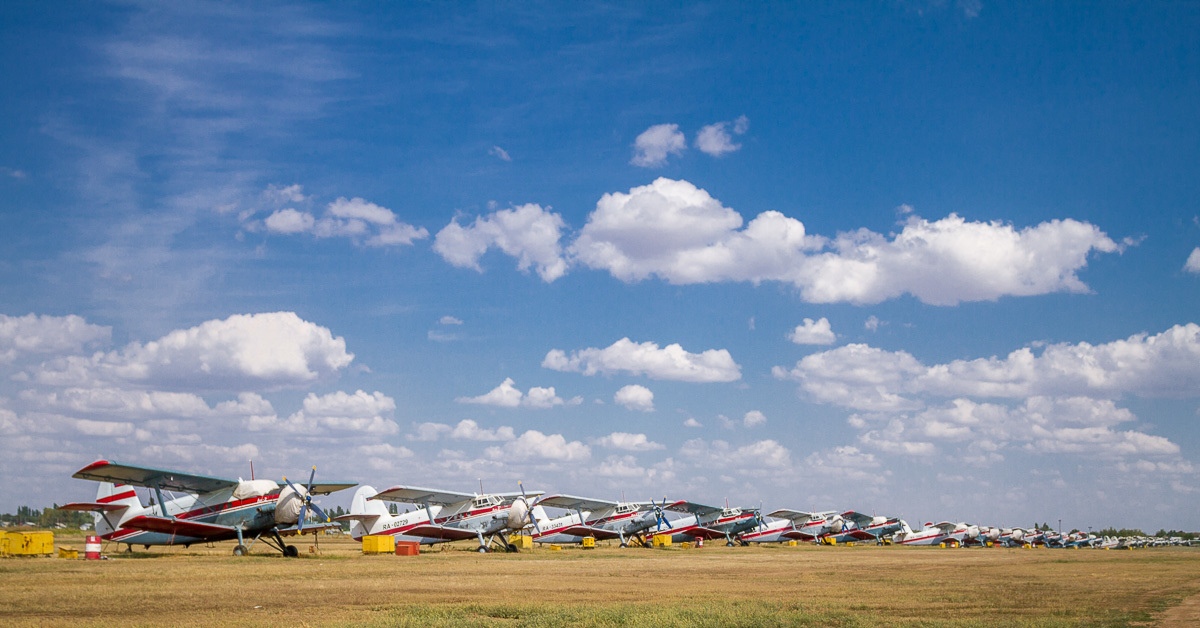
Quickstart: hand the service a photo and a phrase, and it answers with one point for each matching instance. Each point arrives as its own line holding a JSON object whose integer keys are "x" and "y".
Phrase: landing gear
{"x": 482, "y": 550}
{"x": 240, "y": 550}
{"x": 290, "y": 551}
{"x": 728, "y": 543}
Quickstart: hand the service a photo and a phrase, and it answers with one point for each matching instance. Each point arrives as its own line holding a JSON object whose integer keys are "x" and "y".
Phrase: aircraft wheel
{"x": 239, "y": 550}
{"x": 728, "y": 543}
{"x": 511, "y": 549}
{"x": 482, "y": 550}
{"x": 290, "y": 551}
{"x": 624, "y": 545}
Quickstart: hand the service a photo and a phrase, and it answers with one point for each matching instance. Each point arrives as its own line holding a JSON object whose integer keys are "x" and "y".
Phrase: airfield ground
{"x": 608, "y": 586}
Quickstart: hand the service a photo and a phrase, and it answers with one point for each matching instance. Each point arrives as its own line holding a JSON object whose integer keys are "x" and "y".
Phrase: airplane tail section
{"x": 539, "y": 515}
{"x": 120, "y": 503}
{"x": 364, "y": 513}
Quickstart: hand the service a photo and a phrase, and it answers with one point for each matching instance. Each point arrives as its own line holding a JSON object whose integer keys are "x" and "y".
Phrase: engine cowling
{"x": 288, "y": 505}
{"x": 518, "y": 515}
{"x": 837, "y": 524}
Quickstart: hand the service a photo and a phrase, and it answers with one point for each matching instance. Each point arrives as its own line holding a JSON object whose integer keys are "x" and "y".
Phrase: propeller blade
{"x": 528, "y": 508}
{"x": 300, "y": 519}
{"x": 311, "y": 475}
{"x": 320, "y": 513}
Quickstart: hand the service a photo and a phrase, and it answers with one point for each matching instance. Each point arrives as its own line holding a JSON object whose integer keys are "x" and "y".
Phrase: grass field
{"x": 713, "y": 586}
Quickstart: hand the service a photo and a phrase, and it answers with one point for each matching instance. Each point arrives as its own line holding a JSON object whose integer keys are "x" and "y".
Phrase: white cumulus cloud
{"x": 1193, "y": 262}
{"x": 527, "y": 232}
{"x": 272, "y": 350}
{"x": 635, "y": 397}
{"x": 1058, "y": 400}
{"x": 354, "y": 218}
{"x": 715, "y": 139}
{"x": 33, "y": 334}
{"x": 652, "y": 148}
{"x": 668, "y": 363}
{"x": 506, "y": 395}
{"x": 812, "y": 332}
{"x": 754, "y": 418}
{"x": 678, "y": 232}
{"x": 629, "y": 442}
{"x": 533, "y": 446}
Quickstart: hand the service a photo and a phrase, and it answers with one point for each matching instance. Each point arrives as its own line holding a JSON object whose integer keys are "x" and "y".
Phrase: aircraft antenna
{"x": 481, "y": 486}
{"x": 251, "y": 469}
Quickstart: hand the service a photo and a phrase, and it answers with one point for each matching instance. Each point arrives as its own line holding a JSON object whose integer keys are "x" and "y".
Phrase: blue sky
{"x": 934, "y": 259}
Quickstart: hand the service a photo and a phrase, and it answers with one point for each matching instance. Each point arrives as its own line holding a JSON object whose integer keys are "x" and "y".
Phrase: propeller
{"x": 306, "y": 496}
{"x": 526, "y": 517}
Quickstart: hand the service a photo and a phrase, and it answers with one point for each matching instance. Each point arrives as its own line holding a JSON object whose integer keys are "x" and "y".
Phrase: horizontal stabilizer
{"x": 366, "y": 518}
{"x": 93, "y": 507}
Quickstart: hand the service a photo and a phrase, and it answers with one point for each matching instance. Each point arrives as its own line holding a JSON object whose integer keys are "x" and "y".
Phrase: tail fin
{"x": 115, "y": 495}
{"x": 539, "y": 515}
{"x": 364, "y": 512}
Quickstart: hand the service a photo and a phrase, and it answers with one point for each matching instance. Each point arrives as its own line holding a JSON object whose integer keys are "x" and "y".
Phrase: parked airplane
{"x": 855, "y": 526}
{"x": 709, "y": 522}
{"x": 214, "y": 509}
{"x": 1011, "y": 537}
{"x": 444, "y": 515}
{"x": 952, "y": 534}
{"x": 598, "y": 518}
{"x": 790, "y": 525}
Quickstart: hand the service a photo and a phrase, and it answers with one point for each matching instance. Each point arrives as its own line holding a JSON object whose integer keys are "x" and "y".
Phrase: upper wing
{"x": 858, "y": 518}
{"x": 800, "y": 515}
{"x": 92, "y": 507}
{"x": 417, "y": 495}
{"x": 325, "y": 488}
{"x": 946, "y": 526}
{"x": 572, "y": 502}
{"x": 105, "y": 471}
{"x": 701, "y": 510}
{"x": 181, "y": 527}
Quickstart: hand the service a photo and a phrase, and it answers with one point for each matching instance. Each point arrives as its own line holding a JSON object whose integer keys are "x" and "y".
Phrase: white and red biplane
{"x": 444, "y": 515}
{"x": 212, "y": 509}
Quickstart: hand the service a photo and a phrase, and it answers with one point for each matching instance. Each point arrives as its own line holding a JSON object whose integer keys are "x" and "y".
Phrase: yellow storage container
{"x": 792, "y": 544}
{"x": 589, "y": 542}
{"x": 522, "y": 541}
{"x": 555, "y": 548}
{"x": 30, "y": 543}
{"x": 68, "y": 553}
{"x": 662, "y": 540}
{"x": 685, "y": 545}
{"x": 379, "y": 544}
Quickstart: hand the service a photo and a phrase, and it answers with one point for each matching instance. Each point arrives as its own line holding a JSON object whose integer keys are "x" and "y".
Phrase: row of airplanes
{"x": 216, "y": 509}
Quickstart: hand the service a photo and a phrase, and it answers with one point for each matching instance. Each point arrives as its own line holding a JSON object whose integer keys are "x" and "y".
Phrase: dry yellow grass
{"x": 718, "y": 586}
